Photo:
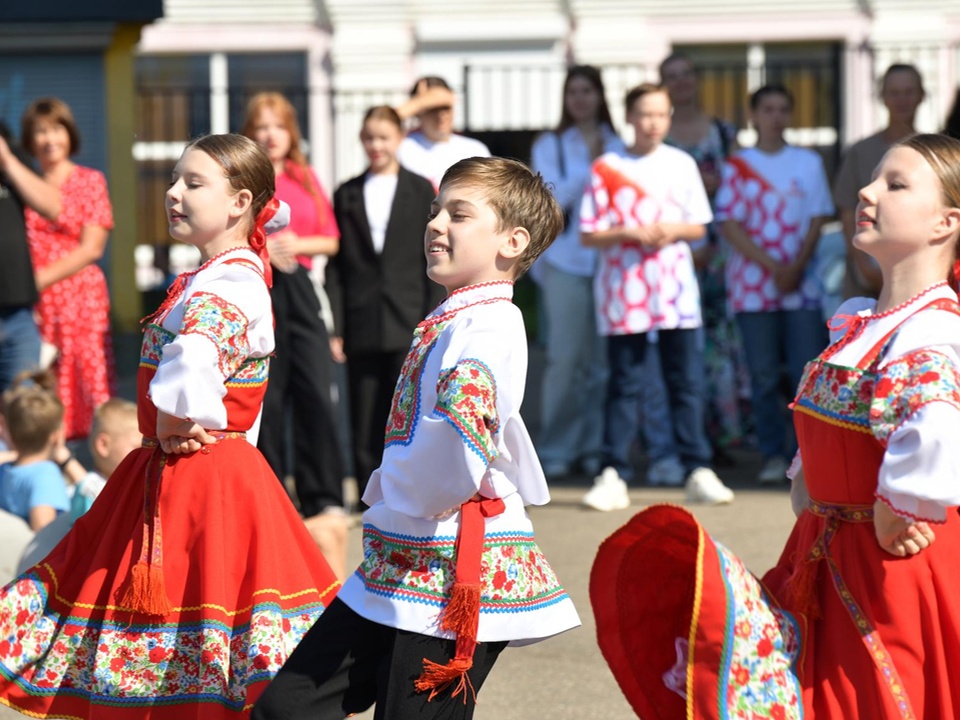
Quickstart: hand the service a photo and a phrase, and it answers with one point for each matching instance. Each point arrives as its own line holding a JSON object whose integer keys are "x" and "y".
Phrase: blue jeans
{"x": 571, "y": 408}
{"x": 681, "y": 360}
{"x": 655, "y": 410}
{"x": 769, "y": 338}
{"x": 19, "y": 344}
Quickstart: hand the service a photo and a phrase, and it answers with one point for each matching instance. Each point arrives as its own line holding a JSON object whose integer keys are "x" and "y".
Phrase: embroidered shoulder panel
{"x": 151, "y": 349}
{"x": 405, "y": 407}
{"x": 220, "y": 322}
{"x": 907, "y": 384}
{"x": 467, "y": 399}
{"x": 836, "y": 393}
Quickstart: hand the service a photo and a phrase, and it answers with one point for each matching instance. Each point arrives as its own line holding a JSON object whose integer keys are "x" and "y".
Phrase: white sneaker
{"x": 666, "y": 472}
{"x": 609, "y": 492}
{"x": 774, "y": 471}
{"x": 703, "y": 486}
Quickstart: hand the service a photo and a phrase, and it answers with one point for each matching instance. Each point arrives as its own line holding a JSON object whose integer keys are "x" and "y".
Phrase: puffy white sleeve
{"x": 457, "y": 440}
{"x": 226, "y": 319}
{"x": 915, "y": 413}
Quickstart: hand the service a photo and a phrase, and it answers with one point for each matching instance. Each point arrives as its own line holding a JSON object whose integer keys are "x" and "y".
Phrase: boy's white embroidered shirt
{"x": 454, "y": 431}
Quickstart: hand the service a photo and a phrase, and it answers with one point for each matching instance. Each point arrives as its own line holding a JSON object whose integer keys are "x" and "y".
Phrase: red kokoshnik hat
{"x": 687, "y": 631}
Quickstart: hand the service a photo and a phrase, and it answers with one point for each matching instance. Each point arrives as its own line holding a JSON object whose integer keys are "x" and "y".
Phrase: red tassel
{"x": 146, "y": 592}
{"x": 803, "y": 590}
{"x": 461, "y": 613}
{"x": 436, "y": 678}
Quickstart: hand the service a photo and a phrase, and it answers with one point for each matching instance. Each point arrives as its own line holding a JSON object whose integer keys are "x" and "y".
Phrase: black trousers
{"x": 345, "y": 664}
{"x": 299, "y": 392}
{"x": 371, "y": 379}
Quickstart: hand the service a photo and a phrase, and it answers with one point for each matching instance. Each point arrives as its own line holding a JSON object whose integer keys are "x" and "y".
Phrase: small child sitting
{"x": 113, "y": 435}
{"x": 31, "y": 486}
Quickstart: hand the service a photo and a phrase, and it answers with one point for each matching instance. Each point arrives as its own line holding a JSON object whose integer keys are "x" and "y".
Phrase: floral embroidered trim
{"x": 886, "y": 670}
{"x": 762, "y": 644}
{"x": 254, "y": 372}
{"x": 151, "y": 348}
{"x": 909, "y": 383}
{"x": 515, "y": 576}
{"x": 117, "y": 664}
{"x": 405, "y": 406}
{"x": 836, "y": 394}
{"x": 223, "y": 324}
{"x": 467, "y": 399}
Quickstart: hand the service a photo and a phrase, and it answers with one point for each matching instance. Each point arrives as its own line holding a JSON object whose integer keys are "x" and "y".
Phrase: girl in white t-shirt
{"x": 773, "y": 201}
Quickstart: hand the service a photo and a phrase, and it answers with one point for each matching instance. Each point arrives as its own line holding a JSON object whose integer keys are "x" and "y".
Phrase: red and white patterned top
{"x": 774, "y": 196}
{"x": 75, "y": 312}
{"x": 639, "y": 289}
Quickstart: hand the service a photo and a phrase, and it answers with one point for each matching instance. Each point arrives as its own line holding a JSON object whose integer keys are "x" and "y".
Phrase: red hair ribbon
{"x": 258, "y": 237}
{"x": 956, "y": 274}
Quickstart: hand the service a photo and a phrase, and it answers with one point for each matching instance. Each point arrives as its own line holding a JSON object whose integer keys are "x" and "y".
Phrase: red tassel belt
{"x": 462, "y": 613}
{"x": 146, "y": 591}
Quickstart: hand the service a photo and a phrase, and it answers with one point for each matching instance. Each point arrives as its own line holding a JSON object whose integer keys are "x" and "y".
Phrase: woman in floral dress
{"x": 74, "y": 307}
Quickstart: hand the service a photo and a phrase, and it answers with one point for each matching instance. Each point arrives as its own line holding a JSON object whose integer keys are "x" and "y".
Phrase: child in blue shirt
{"x": 32, "y": 486}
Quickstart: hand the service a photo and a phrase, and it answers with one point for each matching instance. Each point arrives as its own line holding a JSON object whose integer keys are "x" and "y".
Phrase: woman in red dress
{"x": 74, "y": 307}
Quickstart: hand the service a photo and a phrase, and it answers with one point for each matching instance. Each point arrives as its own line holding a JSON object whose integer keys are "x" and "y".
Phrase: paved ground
{"x": 566, "y": 678}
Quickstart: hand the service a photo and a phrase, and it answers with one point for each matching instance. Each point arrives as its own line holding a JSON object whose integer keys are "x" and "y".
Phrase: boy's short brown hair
{"x": 519, "y": 197}
{"x": 32, "y": 412}
{"x": 634, "y": 94}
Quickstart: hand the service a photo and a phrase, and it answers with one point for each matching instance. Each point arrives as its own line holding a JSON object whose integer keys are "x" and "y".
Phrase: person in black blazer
{"x": 377, "y": 283}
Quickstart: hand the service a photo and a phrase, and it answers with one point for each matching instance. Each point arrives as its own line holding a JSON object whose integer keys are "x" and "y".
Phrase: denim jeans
{"x": 681, "y": 360}
{"x": 19, "y": 344}
{"x": 655, "y": 408}
{"x": 769, "y": 338}
{"x": 571, "y": 408}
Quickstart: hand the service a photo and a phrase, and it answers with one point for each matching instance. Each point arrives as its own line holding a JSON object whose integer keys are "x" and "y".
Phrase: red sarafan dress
{"x": 878, "y": 416}
{"x": 75, "y": 312}
{"x": 191, "y": 579}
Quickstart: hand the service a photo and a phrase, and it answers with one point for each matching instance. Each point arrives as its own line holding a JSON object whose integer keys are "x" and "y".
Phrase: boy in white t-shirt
{"x": 773, "y": 201}
{"x": 433, "y": 147}
{"x": 642, "y": 209}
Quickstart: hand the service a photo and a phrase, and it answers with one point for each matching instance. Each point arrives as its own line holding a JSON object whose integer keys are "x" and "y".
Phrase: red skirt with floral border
{"x": 243, "y": 576}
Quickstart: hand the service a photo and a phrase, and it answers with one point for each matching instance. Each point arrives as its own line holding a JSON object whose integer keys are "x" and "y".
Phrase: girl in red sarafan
{"x": 861, "y": 612}
{"x": 191, "y": 579}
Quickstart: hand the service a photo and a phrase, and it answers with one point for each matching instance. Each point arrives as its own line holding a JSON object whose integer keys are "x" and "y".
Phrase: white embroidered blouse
{"x": 222, "y": 319}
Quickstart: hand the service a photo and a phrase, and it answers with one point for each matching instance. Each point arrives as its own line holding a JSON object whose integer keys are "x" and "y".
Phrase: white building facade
{"x": 506, "y": 60}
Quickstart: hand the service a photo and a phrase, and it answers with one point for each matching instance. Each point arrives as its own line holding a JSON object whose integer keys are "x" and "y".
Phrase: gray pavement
{"x": 566, "y": 678}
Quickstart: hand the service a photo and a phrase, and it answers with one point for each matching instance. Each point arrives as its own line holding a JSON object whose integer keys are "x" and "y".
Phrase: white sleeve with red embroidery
{"x": 223, "y": 319}
{"x": 469, "y": 436}
{"x": 916, "y": 413}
